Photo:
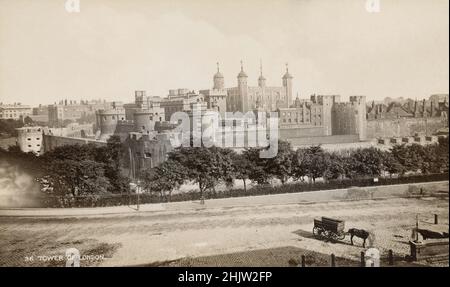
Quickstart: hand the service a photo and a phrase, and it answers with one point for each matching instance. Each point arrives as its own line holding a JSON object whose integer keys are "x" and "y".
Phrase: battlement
{"x": 110, "y": 112}
{"x": 342, "y": 106}
{"x": 358, "y": 99}
{"x": 325, "y": 99}
{"x": 125, "y": 122}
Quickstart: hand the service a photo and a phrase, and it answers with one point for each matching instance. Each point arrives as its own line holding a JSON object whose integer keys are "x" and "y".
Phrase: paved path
{"x": 157, "y": 236}
{"x": 377, "y": 192}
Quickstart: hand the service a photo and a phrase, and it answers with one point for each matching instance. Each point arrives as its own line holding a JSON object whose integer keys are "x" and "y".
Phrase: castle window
{"x": 147, "y": 155}
{"x": 29, "y": 139}
{"x": 38, "y": 139}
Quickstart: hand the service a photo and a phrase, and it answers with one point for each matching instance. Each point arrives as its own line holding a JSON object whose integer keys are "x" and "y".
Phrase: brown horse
{"x": 361, "y": 233}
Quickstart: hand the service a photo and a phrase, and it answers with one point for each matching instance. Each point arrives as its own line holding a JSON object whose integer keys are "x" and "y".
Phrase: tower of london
{"x": 244, "y": 98}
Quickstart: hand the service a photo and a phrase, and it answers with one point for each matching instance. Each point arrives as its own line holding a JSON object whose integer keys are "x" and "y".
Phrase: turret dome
{"x": 242, "y": 74}
{"x": 218, "y": 75}
{"x": 287, "y": 75}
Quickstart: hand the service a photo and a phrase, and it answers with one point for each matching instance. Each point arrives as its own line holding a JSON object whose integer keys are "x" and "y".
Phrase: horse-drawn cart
{"x": 329, "y": 228}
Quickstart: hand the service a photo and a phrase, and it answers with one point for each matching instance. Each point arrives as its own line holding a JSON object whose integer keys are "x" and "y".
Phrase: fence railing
{"x": 98, "y": 200}
{"x": 384, "y": 260}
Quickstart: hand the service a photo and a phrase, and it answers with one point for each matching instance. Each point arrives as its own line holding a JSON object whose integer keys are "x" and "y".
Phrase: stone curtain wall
{"x": 301, "y": 132}
{"x": 50, "y": 142}
{"x": 403, "y": 127}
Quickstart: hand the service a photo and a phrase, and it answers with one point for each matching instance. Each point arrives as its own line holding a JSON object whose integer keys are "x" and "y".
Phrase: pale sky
{"x": 114, "y": 47}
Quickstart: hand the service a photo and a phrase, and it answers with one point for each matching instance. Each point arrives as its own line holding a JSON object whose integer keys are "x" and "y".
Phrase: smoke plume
{"x": 18, "y": 188}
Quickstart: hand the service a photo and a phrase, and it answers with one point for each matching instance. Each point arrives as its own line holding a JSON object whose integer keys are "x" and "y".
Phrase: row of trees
{"x": 78, "y": 170}
{"x": 85, "y": 169}
{"x": 208, "y": 167}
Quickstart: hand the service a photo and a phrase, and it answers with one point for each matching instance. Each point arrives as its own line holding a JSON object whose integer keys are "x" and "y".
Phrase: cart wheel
{"x": 317, "y": 232}
{"x": 341, "y": 236}
{"x": 331, "y": 235}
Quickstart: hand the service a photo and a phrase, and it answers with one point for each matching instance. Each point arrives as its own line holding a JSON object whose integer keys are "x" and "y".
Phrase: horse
{"x": 361, "y": 233}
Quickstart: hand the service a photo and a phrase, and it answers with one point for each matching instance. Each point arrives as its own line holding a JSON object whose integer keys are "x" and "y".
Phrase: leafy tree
{"x": 442, "y": 153}
{"x": 335, "y": 165}
{"x": 28, "y": 121}
{"x": 299, "y": 168}
{"x": 76, "y": 177}
{"x": 111, "y": 156}
{"x": 280, "y": 166}
{"x": 408, "y": 156}
{"x": 164, "y": 178}
{"x": 9, "y": 126}
{"x": 316, "y": 162}
{"x": 71, "y": 152}
{"x": 391, "y": 164}
{"x": 366, "y": 162}
{"x": 257, "y": 166}
{"x": 108, "y": 156}
{"x": 205, "y": 166}
{"x": 434, "y": 159}
{"x": 242, "y": 167}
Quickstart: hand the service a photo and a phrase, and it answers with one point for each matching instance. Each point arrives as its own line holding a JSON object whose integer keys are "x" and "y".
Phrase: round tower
{"x": 219, "y": 80}
{"x": 107, "y": 121}
{"x": 144, "y": 121}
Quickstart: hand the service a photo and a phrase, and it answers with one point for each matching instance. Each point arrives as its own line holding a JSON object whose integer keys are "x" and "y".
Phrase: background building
{"x": 15, "y": 111}
{"x": 244, "y": 98}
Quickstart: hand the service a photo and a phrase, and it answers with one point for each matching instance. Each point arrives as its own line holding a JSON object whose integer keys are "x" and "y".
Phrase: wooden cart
{"x": 329, "y": 228}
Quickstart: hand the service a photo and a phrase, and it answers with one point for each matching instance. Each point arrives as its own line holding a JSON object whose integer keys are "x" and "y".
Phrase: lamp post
{"x": 138, "y": 190}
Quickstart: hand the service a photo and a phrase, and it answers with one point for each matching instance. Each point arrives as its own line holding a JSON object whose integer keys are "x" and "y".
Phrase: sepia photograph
{"x": 232, "y": 134}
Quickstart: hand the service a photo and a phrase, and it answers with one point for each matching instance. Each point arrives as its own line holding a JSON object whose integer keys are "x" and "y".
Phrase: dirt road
{"x": 159, "y": 236}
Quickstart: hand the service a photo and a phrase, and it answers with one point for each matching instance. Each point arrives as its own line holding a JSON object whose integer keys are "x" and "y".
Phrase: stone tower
{"x": 243, "y": 90}
{"x": 359, "y": 104}
{"x": 140, "y": 99}
{"x": 327, "y": 103}
{"x": 287, "y": 84}
{"x": 261, "y": 79}
{"x": 219, "y": 81}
